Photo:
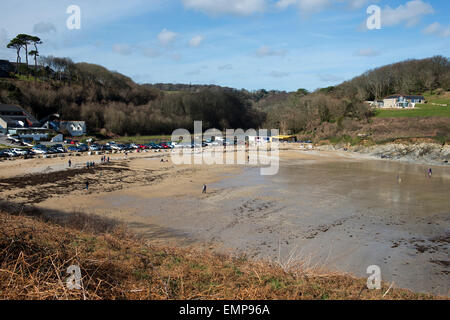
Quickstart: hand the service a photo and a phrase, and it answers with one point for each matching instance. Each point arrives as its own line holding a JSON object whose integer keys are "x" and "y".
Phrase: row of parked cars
{"x": 75, "y": 146}
{"x": 81, "y": 147}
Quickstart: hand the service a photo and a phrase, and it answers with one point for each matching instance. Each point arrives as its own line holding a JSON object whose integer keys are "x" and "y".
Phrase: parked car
{"x": 94, "y": 147}
{"x": 20, "y": 152}
{"x": 117, "y": 147}
{"x": 9, "y": 153}
{"x": 154, "y": 146}
{"x": 105, "y": 148}
{"x": 73, "y": 149}
{"x": 82, "y": 147}
{"x": 59, "y": 148}
{"x": 40, "y": 149}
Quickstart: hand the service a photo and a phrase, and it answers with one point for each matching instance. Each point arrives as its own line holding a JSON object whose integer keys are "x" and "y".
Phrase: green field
{"x": 421, "y": 110}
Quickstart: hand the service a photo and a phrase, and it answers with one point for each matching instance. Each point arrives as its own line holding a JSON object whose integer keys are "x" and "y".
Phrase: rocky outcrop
{"x": 426, "y": 153}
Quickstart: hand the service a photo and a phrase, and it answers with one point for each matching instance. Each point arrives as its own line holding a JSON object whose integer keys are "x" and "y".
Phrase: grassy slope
{"x": 421, "y": 110}
{"x": 35, "y": 254}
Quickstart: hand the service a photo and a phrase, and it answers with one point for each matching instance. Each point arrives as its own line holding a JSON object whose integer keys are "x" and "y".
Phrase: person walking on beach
{"x": 87, "y": 185}
{"x": 70, "y": 163}
{"x": 204, "y": 189}
{"x": 430, "y": 173}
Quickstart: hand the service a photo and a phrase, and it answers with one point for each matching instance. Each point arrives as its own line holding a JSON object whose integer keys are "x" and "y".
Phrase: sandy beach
{"x": 336, "y": 210}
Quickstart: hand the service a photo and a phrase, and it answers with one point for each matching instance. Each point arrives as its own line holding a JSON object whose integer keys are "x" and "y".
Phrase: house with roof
{"x": 73, "y": 128}
{"x": 14, "y": 120}
{"x": 402, "y": 101}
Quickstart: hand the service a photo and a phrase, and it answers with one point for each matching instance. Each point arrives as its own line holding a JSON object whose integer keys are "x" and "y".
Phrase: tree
{"x": 26, "y": 40}
{"x": 16, "y": 44}
{"x": 35, "y": 41}
{"x": 35, "y": 54}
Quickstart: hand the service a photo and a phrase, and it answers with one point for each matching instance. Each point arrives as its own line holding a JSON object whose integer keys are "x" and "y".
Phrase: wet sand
{"x": 334, "y": 210}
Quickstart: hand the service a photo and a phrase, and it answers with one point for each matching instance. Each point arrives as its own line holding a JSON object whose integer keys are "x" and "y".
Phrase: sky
{"x": 251, "y": 44}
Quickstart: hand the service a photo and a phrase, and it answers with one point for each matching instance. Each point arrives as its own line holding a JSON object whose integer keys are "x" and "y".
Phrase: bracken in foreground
{"x": 36, "y": 250}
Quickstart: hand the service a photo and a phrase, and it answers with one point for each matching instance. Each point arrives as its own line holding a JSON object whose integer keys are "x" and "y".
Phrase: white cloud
{"x": 283, "y": 4}
{"x": 437, "y": 29}
{"x": 265, "y": 51}
{"x": 410, "y": 13}
{"x": 167, "y": 37}
{"x": 123, "y": 49}
{"x": 315, "y": 6}
{"x": 44, "y": 27}
{"x": 196, "y": 41}
{"x": 279, "y": 74}
{"x": 237, "y": 7}
{"x": 369, "y": 52}
{"x": 305, "y": 6}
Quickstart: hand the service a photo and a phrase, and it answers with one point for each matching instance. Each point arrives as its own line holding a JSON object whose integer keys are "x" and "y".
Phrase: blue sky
{"x": 252, "y": 44}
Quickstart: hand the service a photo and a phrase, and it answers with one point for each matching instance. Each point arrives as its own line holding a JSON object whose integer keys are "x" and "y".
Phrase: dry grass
{"x": 382, "y": 130}
{"x": 35, "y": 253}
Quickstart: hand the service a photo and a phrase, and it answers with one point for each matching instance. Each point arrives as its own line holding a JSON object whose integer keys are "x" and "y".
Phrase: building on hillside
{"x": 16, "y": 121}
{"x": 73, "y": 128}
{"x": 375, "y": 104}
{"x": 402, "y": 101}
{"x": 5, "y": 68}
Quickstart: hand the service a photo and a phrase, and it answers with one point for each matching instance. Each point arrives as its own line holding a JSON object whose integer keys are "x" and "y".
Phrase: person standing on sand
{"x": 430, "y": 173}
{"x": 204, "y": 189}
{"x": 87, "y": 185}
{"x": 70, "y": 163}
